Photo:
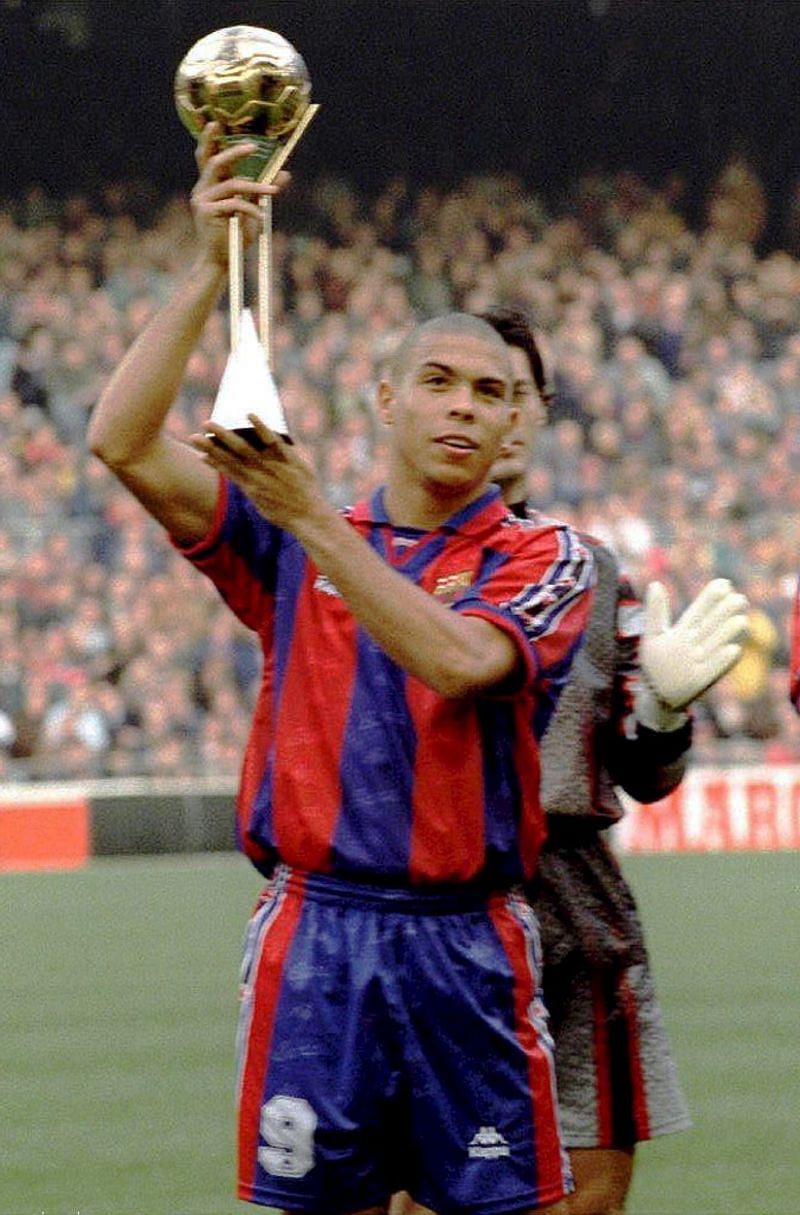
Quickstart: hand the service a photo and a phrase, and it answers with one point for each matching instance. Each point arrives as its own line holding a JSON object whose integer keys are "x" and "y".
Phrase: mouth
{"x": 455, "y": 442}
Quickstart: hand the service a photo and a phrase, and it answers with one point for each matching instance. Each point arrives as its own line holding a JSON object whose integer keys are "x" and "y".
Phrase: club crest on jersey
{"x": 449, "y": 586}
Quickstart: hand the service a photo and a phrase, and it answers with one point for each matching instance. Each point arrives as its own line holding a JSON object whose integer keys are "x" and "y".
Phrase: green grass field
{"x": 118, "y": 996}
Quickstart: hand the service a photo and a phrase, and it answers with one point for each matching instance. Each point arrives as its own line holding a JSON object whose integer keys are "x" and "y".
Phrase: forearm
{"x": 453, "y": 654}
{"x": 652, "y": 763}
{"x": 129, "y": 418}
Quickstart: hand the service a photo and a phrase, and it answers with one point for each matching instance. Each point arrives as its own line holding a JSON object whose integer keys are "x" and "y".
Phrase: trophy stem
{"x": 265, "y": 276}
{"x": 283, "y": 151}
{"x": 235, "y": 278}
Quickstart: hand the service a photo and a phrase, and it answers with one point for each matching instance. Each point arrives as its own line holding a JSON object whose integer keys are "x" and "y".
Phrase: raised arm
{"x": 127, "y": 429}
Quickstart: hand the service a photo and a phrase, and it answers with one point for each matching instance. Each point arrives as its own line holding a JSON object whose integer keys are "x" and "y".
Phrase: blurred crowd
{"x": 674, "y": 431}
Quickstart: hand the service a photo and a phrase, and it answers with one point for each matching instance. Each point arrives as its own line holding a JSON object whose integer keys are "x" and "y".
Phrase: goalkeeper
{"x": 621, "y": 721}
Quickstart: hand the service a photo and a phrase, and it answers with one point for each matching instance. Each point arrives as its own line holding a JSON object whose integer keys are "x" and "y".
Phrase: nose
{"x": 462, "y": 400}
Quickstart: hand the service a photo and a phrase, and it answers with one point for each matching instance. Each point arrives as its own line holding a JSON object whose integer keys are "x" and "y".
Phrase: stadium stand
{"x": 675, "y": 432}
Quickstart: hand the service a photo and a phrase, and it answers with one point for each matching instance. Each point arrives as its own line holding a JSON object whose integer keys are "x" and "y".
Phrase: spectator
{"x": 677, "y": 405}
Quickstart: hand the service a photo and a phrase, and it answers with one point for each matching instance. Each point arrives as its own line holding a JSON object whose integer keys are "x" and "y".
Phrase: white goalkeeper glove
{"x": 681, "y": 661}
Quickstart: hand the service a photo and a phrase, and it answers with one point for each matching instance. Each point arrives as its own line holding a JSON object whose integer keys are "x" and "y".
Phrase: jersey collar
{"x": 479, "y": 516}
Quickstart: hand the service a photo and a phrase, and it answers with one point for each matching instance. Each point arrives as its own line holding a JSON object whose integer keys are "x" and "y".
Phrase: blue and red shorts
{"x": 390, "y": 1040}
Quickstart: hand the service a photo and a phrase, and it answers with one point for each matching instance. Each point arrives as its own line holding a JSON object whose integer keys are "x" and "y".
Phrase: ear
{"x": 386, "y": 400}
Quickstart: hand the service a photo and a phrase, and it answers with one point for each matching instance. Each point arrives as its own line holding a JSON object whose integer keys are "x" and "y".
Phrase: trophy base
{"x": 251, "y": 436}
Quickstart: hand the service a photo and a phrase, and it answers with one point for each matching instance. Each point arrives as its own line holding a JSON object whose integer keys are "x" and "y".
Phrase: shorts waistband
{"x": 432, "y": 900}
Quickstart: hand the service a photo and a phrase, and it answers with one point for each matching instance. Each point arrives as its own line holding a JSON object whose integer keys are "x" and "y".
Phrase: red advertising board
{"x": 719, "y": 810}
{"x": 44, "y": 833}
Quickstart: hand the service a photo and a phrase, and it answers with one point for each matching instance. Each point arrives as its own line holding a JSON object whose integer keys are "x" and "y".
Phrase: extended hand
{"x": 217, "y": 195}
{"x": 276, "y": 479}
{"x": 681, "y": 661}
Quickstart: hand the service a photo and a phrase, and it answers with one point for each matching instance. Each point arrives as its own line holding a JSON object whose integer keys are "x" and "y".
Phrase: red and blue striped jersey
{"x": 794, "y": 657}
{"x": 357, "y": 769}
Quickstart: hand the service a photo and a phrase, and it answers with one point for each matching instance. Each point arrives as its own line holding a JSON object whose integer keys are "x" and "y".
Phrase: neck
{"x": 514, "y": 491}
{"x": 425, "y": 507}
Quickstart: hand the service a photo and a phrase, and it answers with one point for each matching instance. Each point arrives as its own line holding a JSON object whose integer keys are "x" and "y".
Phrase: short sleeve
{"x": 239, "y": 556}
{"x": 538, "y": 590}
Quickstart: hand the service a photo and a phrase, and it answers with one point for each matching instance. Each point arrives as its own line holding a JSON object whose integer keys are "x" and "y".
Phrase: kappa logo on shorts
{"x": 488, "y": 1144}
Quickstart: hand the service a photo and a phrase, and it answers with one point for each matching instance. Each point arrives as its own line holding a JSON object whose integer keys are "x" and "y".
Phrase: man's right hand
{"x": 219, "y": 194}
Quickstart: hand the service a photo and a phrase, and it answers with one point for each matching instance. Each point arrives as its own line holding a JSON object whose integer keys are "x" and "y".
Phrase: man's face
{"x": 451, "y": 410}
{"x": 517, "y": 450}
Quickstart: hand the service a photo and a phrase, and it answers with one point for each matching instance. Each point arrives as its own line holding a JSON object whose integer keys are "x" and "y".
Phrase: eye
{"x": 492, "y": 391}
{"x": 523, "y": 392}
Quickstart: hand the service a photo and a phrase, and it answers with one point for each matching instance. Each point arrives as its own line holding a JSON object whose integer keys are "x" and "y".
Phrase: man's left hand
{"x": 275, "y": 477}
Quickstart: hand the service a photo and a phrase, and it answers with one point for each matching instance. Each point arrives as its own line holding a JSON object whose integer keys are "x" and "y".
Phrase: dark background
{"x": 430, "y": 88}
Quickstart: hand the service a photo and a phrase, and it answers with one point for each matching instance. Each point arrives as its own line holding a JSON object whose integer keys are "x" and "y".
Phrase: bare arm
{"x": 456, "y": 655}
{"x": 453, "y": 654}
{"x": 127, "y": 427}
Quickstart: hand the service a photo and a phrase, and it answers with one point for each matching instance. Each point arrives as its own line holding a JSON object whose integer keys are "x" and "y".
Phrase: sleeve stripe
{"x": 571, "y": 565}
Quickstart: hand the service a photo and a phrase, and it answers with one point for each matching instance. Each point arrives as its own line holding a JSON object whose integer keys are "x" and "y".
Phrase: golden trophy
{"x": 256, "y": 86}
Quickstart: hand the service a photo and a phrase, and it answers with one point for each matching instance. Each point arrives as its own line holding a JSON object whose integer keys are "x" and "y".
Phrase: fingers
{"x": 215, "y": 159}
{"x": 269, "y": 438}
{"x": 207, "y": 143}
{"x": 230, "y": 194}
{"x": 208, "y": 446}
{"x": 220, "y": 194}
{"x": 224, "y": 445}
{"x": 725, "y": 658}
{"x": 712, "y": 593}
{"x": 221, "y": 188}
{"x": 657, "y": 610}
{"x": 235, "y": 205}
{"x": 237, "y": 185}
{"x": 727, "y": 618}
{"x": 213, "y": 155}
{"x": 217, "y": 190}
{"x": 716, "y": 603}
{"x": 728, "y": 632}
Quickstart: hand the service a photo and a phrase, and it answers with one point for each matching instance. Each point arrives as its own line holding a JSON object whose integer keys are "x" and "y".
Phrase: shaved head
{"x": 431, "y": 336}
{"x": 448, "y": 397}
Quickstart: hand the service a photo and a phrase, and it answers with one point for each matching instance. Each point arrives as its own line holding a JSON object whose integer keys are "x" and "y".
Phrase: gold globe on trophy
{"x": 255, "y": 84}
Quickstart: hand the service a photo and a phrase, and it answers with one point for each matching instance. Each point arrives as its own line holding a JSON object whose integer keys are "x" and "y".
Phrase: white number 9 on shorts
{"x": 287, "y": 1128}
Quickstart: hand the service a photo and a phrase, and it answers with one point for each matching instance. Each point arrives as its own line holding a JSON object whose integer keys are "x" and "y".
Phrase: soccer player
{"x": 391, "y": 1023}
{"x": 621, "y": 720}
